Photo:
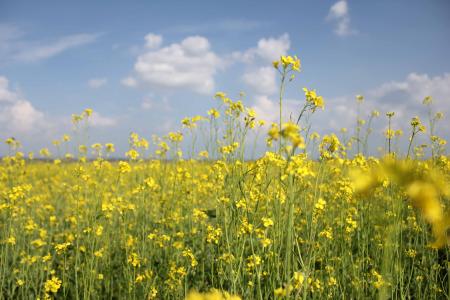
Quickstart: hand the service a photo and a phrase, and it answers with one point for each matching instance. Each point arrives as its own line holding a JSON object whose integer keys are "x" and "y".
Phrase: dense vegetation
{"x": 311, "y": 218}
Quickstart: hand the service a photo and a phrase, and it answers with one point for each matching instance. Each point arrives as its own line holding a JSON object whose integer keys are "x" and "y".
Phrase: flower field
{"x": 186, "y": 215}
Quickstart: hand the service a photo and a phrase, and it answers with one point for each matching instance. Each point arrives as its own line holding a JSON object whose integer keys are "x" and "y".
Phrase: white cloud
{"x": 262, "y": 80}
{"x": 98, "y": 120}
{"x": 15, "y": 47}
{"x": 40, "y": 51}
{"x": 405, "y": 97}
{"x": 339, "y": 14}
{"x": 269, "y": 110}
{"x": 271, "y": 48}
{"x": 268, "y": 49}
{"x": 189, "y": 64}
{"x": 265, "y": 108}
{"x": 402, "y": 97}
{"x": 97, "y": 82}
{"x": 339, "y": 9}
{"x": 6, "y": 95}
{"x": 192, "y": 65}
{"x": 416, "y": 87}
{"x": 153, "y": 41}
{"x": 23, "y": 116}
{"x": 17, "y": 114}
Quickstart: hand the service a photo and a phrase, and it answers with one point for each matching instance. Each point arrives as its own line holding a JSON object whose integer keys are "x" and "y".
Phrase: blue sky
{"x": 144, "y": 65}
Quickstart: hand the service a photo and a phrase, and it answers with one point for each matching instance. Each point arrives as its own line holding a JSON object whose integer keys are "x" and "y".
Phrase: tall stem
{"x": 283, "y": 78}
{"x": 301, "y": 113}
{"x": 410, "y": 142}
{"x": 358, "y": 128}
{"x": 389, "y": 136}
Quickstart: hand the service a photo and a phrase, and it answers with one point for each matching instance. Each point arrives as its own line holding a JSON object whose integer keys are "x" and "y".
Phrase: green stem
{"x": 282, "y": 86}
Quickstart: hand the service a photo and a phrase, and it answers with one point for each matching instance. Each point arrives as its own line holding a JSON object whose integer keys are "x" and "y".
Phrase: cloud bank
{"x": 17, "y": 114}
{"x": 189, "y": 64}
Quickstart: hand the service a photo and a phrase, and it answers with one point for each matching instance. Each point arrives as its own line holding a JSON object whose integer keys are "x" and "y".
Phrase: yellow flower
{"x": 314, "y": 100}
{"x": 188, "y": 253}
{"x": 99, "y": 230}
{"x": 274, "y": 131}
{"x": 211, "y": 295}
{"x": 320, "y": 205}
{"x": 289, "y": 61}
{"x": 214, "y": 113}
{"x": 298, "y": 280}
{"x": 175, "y": 136}
{"x": 124, "y": 167}
{"x": 415, "y": 121}
{"x": 213, "y": 234}
{"x": 44, "y": 152}
{"x": 97, "y": 146}
{"x": 203, "y": 154}
{"x": 139, "y": 278}
{"x": 10, "y": 141}
{"x": 134, "y": 260}
{"x": 220, "y": 95}
{"x": 99, "y": 253}
{"x": 327, "y": 233}
{"x": 253, "y": 261}
{"x": 411, "y": 253}
{"x": 378, "y": 280}
{"x": 132, "y": 154}
{"x": 275, "y": 64}
{"x": 427, "y": 100}
{"x": 329, "y": 146}
{"x": 76, "y": 119}
{"x": 61, "y": 248}
{"x": 11, "y": 240}
{"x": 110, "y": 147}
{"x": 425, "y": 197}
{"x": 52, "y": 285}
{"x": 88, "y": 112}
{"x": 46, "y": 258}
{"x": 267, "y": 222}
{"x": 389, "y": 133}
